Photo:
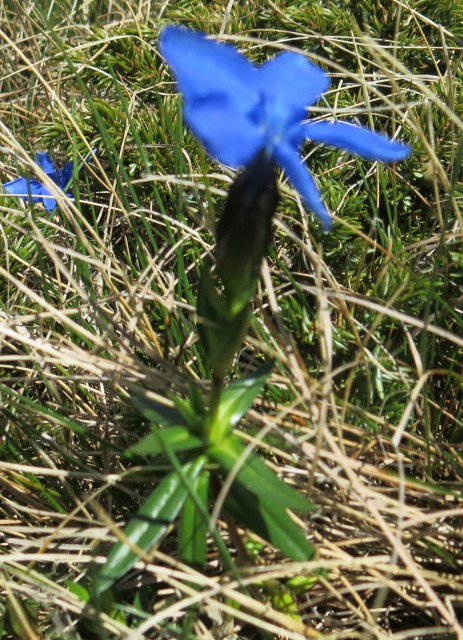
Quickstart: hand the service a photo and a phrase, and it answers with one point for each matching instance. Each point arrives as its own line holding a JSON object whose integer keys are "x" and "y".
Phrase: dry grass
{"x": 363, "y": 411}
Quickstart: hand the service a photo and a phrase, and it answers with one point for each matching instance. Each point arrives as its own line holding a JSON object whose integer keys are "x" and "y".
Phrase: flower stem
{"x": 214, "y": 404}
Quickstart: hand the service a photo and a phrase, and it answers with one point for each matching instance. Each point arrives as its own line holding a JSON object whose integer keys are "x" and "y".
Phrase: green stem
{"x": 215, "y": 533}
{"x": 211, "y": 423}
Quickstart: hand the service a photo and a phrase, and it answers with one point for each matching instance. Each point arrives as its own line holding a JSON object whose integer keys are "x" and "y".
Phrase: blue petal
{"x": 23, "y": 187}
{"x": 45, "y": 162}
{"x": 31, "y": 190}
{"x": 66, "y": 174}
{"x": 230, "y": 136}
{"x": 302, "y": 180}
{"x": 49, "y": 201}
{"x": 289, "y": 83}
{"x": 366, "y": 143}
{"x": 205, "y": 67}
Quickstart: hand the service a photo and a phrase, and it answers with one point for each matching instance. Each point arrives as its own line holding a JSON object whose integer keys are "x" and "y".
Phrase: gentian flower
{"x": 237, "y": 109}
{"x": 33, "y": 190}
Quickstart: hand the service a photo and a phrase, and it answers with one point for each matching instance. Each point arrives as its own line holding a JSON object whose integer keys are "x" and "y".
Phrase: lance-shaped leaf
{"x": 193, "y": 522}
{"x": 169, "y": 438}
{"x": 149, "y": 525}
{"x": 236, "y": 400}
{"x": 256, "y": 477}
{"x": 154, "y": 410}
{"x": 270, "y": 521}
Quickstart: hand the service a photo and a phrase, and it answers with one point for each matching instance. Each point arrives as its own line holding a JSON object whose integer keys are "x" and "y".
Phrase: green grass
{"x": 363, "y": 412}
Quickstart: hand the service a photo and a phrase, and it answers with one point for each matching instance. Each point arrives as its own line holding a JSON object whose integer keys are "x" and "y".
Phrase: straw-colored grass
{"x": 363, "y": 412}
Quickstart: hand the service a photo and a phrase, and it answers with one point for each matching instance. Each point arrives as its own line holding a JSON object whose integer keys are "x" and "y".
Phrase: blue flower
{"x": 237, "y": 109}
{"x": 33, "y": 190}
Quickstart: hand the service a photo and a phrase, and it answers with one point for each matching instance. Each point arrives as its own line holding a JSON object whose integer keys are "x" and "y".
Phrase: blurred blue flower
{"x": 33, "y": 190}
{"x": 237, "y": 109}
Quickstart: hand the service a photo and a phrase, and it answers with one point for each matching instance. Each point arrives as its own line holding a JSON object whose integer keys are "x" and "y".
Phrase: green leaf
{"x": 159, "y": 440}
{"x": 256, "y": 477}
{"x": 281, "y": 598}
{"x": 78, "y": 590}
{"x": 188, "y": 409}
{"x": 283, "y": 601}
{"x": 197, "y": 401}
{"x": 193, "y": 523}
{"x": 185, "y": 412}
{"x": 152, "y": 409}
{"x": 302, "y": 584}
{"x": 237, "y": 399}
{"x": 270, "y": 521}
{"x": 148, "y": 526}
